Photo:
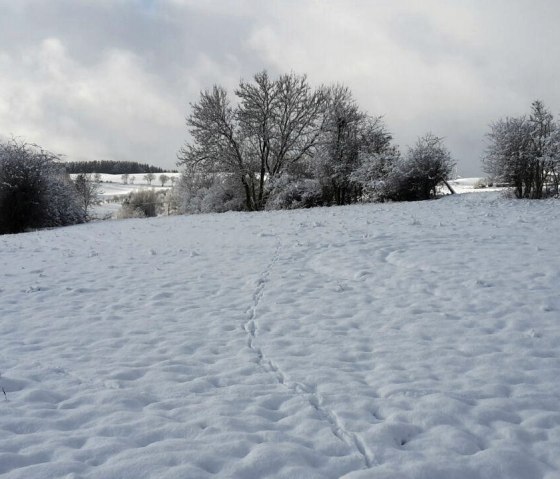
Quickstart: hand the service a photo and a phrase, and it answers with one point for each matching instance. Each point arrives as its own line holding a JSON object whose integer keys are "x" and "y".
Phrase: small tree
{"x": 88, "y": 190}
{"x": 149, "y": 177}
{"x": 427, "y": 164}
{"x": 543, "y": 130}
{"x": 525, "y": 152}
{"x": 124, "y": 178}
{"x": 507, "y": 157}
{"x": 414, "y": 176}
{"x": 35, "y": 190}
{"x": 163, "y": 178}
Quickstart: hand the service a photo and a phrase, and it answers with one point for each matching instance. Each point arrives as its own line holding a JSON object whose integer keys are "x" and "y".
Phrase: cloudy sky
{"x": 113, "y": 79}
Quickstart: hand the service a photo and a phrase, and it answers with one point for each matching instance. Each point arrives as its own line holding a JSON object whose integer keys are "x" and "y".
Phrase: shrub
{"x": 141, "y": 204}
{"x": 35, "y": 190}
{"x": 288, "y": 193}
{"x": 417, "y": 175}
{"x": 374, "y": 172}
{"x": 207, "y": 193}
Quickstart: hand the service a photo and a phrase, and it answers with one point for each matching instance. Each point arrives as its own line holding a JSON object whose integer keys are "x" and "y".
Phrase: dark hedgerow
{"x": 35, "y": 190}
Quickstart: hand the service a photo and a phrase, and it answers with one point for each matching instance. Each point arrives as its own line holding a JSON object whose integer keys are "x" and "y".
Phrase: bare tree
{"x": 544, "y": 152}
{"x": 275, "y": 125}
{"x": 507, "y": 155}
{"x": 88, "y": 189}
{"x": 149, "y": 177}
{"x": 163, "y": 178}
{"x": 124, "y": 178}
{"x": 525, "y": 152}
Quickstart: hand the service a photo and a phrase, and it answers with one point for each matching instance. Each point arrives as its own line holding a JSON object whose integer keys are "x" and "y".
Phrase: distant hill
{"x": 110, "y": 167}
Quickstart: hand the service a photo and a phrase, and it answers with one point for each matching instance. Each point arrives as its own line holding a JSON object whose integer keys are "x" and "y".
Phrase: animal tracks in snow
{"x": 426, "y": 350}
{"x": 308, "y": 392}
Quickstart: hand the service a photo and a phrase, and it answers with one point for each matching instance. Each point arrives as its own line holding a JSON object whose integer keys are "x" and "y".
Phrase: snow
{"x": 411, "y": 340}
{"x": 113, "y": 191}
{"x": 112, "y": 185}
{"x": 469, "y": 185}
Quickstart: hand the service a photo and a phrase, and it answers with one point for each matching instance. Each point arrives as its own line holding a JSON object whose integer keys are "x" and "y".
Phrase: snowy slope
{"x": 414, "y": 340}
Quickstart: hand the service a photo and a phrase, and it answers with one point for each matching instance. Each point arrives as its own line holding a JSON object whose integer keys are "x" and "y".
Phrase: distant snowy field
{"x": 113, "y": 191}
{"x": 411, "y": 340}
{"x": 468, "y": 185}
{"x": 113, "y": 184}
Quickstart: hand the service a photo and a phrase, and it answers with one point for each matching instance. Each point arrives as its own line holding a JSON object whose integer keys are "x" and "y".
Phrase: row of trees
{"x": 110, "y": 167}
{"x": 284, "y": 144}
{"x": 525, "y": 152}
{"x": 148, "y": 178}
{"x": 280, "y": 144}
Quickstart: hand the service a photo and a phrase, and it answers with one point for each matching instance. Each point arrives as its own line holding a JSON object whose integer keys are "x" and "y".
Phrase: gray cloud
{"x": 113, "y": 79}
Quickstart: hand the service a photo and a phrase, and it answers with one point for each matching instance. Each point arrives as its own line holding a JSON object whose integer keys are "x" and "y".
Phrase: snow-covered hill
{"x": 413, "y": 340}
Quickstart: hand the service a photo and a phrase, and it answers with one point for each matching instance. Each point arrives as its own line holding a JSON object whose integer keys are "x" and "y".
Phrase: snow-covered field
{"x": 469, "y": 185}
{"x": 112, "y": 185}
{"x": 413, "y": 340}
{"x": 113, "y": 191}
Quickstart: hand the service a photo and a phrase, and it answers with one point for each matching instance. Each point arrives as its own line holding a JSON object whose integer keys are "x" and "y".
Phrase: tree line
{"x": 280, "y": 143}
{"x": 110, "y": 167}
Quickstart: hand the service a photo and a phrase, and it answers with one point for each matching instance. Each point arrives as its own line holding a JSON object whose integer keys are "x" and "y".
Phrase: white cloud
{"x": 114, "y": 79}
{"x": 448, "y": 67}
{"x": 356, "y": 46}
{"x": 112, "y": 108}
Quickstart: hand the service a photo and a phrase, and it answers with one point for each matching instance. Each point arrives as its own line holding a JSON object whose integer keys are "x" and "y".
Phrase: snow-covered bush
{"x": 288, "y": 193}
{"x": 426, "y": 164}
{"x": 416, "y": 175}
{"x": 207, "y": 193}
{"x": 347, "y": 135}
{"x": 375, "y": 174}
{"x": 35, "y": 191}
{"x": 141, "y": 204}
{"x": 524, "y": 152}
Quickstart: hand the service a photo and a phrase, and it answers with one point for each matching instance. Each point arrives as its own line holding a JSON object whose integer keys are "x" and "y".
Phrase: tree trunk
{"x": 448, "y": 186}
